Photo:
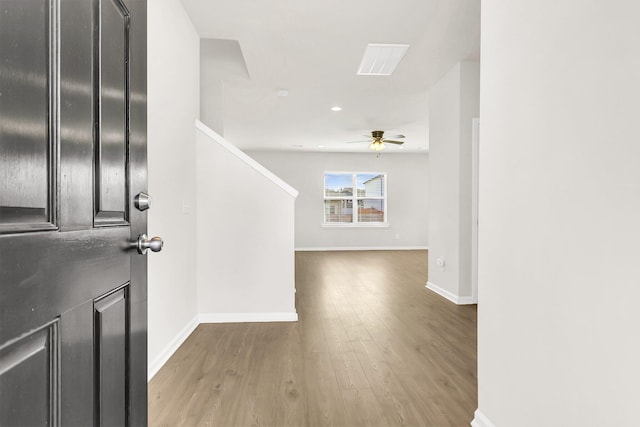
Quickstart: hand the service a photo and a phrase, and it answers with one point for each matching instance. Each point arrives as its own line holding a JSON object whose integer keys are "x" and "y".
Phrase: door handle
{"x": 144, "y": 243}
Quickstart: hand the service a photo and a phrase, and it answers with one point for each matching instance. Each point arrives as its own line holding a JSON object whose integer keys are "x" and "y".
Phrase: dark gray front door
{"x": 72, "y": 158}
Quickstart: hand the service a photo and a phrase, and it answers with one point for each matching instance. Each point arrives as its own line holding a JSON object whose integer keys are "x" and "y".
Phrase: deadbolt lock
{"x": 142, "y": 201}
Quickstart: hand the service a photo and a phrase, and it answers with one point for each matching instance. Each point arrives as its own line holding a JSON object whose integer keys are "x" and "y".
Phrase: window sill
{"x": 356, "y": 225}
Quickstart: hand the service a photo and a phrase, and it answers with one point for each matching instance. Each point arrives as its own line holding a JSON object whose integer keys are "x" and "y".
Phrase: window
{"x": 369, "y": 197}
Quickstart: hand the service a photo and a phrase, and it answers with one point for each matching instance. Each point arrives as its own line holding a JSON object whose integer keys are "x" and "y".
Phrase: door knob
{"x": 144, "y": 243}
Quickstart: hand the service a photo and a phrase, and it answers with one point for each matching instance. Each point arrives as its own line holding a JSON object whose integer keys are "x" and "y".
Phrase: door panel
{"x": 76, "y": 167}
{"x": 29, "y": 372}
{"x": 73, "y": 154}
{"x": 111, "y": 322}
{"x": 113, "y": 127}
{"x": 25, "y": 108}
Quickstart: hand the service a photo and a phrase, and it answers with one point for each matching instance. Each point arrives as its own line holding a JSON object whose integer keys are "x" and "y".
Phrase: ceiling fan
{"x": 377, "y": 141}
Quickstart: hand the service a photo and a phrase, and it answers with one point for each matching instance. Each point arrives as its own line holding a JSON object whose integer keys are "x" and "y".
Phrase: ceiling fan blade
{"x": 396, "y": 136}
{"x": 353, "y": 142}
{"x": 392, "y": 142}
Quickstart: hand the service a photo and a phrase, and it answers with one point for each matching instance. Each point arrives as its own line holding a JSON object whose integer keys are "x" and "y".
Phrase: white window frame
{"x": 354, "y": 198}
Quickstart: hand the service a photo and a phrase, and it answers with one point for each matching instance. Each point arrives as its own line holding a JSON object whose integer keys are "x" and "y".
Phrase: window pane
{"x": 338, "y": 210}
{"x": 338, "y": 184}
{"x": 370, "y": 185}
{"x": 370, "y": 210}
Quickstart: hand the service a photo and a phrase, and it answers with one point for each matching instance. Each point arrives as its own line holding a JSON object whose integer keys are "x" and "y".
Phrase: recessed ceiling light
{"x": 381, "y": 59}
{"x": 336, "y": 108}
{"x": 282, "y": 93}
{"x": 400, "y": 147}
{"x": 320, "y": 146}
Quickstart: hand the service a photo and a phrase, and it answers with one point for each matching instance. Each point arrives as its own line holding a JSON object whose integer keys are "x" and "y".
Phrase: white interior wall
{"x": 559, "y": 214}
{"x": 211, "y": 106}
{"x": 245, "y": 243}
{"x": 453, "y": 103}
{"x": 444, "y": 146}
{"x": 173, "y": 101}
{"x": 221, "y": 61}
{"x": 469, "y": 109}
{"x": 408, "y": 198}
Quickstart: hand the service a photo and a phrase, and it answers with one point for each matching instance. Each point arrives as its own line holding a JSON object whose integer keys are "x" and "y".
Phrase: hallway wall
{"x": 558, "y": 337}
{"x": 245, "y": 246}
{"x": 173, "y": 103}
{"x": 453, "y": 102}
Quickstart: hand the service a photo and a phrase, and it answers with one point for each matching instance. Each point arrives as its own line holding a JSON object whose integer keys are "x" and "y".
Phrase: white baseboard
{"x": 171, "y": 348}
{"x": 480, "y": 420}
{"x": 247, "y": 317}
{"x": 450, "y": 296}
{"x": 361, "y": 248}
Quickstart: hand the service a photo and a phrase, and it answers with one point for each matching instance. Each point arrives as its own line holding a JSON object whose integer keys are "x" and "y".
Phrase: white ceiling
{"x": 313, "y": 49}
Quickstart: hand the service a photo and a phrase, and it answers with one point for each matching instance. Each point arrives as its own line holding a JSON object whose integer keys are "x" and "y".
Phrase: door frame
{"x": 475, "y": 166}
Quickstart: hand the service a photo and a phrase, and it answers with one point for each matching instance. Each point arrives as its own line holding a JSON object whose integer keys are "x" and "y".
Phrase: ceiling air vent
{"x": 381, "y": 59}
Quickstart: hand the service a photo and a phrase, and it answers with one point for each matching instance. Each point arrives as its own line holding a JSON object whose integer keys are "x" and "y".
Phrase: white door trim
{"x": 475, "y": 163}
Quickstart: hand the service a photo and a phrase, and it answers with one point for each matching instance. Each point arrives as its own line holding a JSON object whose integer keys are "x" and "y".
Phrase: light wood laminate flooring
{"x": 372, "y": 347}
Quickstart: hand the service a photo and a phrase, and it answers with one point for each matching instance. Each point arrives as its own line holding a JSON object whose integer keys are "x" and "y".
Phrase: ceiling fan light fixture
{"x": 376, "y": 145}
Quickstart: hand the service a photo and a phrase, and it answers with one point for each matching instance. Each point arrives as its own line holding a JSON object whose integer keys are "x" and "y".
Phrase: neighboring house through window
{"x": 369, "y": 198}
